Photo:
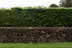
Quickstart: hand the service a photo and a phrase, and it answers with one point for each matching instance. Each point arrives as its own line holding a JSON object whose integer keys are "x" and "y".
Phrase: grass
{"x": 37, "y": 45}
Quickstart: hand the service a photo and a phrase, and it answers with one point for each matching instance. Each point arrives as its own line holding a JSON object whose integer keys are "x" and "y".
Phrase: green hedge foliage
{"x": 35, "y": 17}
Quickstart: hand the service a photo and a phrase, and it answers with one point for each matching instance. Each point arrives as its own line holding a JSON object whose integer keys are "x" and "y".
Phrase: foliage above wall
{"x": 36, "y": 17}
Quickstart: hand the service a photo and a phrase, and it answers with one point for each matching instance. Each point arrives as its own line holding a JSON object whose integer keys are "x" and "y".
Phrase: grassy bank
{"x": 37, "y": 45}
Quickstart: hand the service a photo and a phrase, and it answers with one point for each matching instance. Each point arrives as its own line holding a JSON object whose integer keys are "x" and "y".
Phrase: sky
{"x": 26, "y": 3}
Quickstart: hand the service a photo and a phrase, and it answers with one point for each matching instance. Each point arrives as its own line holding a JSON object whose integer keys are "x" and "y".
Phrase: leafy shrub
{"x": 53, "y": 5}
{"x": 49, "y": 17}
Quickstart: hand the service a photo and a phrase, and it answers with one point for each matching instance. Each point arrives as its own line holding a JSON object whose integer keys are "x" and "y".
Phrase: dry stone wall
{"x": 35, "y": 34}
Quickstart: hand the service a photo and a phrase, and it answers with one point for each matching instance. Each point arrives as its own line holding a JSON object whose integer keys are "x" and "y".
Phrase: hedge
{"x": 32, "y": 17}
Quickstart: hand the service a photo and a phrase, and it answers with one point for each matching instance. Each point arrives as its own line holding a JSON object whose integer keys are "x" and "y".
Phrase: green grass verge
{"x": 37, "y": 45}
